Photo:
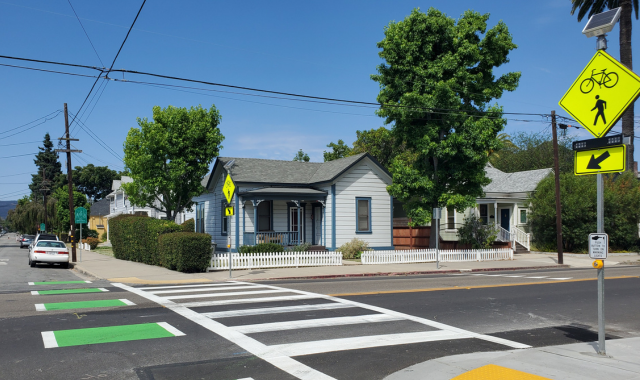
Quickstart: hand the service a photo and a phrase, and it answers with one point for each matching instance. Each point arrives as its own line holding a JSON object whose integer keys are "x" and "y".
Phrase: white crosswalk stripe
{"x": 512, "y": 276}
{"x": 282, "y": 355}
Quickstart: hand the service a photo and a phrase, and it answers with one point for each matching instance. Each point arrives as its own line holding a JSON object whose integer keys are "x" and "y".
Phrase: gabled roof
{"x": 518, "y": 182}
{"x": 256, "y": 170}
{"x": 100, "y": 208}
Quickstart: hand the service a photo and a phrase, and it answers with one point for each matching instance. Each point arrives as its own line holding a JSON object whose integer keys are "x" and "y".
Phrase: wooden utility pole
{"x": 70, "y": 180}
{"x": 44, "y": 189}
{"x": 556, "y": 168}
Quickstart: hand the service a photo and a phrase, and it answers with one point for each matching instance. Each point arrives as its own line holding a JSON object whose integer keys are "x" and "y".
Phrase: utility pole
{"x": 70, "y": 180}
{"x": 556, "y": 168}
{"x": 44, "y": 189}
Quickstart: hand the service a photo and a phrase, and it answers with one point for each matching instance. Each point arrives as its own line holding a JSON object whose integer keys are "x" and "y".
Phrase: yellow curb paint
{"x": 495, "y": 372}
{"x": 136, "y": 280}
{"x": 472, "y": 287}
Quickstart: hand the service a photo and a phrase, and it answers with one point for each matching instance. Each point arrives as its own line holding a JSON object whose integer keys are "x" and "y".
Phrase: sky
{"x": 325, "y": 49}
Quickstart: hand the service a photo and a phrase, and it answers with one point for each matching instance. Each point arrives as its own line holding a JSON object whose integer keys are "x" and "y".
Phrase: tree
{"x": 380, "y": 143}
{"x": 301, "y": 156}
{"x": 530, "y": 151}
{"x": 339, "y": 150}
{"x": 592, "y": 7}
{"x": 46, "y": 159}
{"x": 168, "y": 157}
{"x": 436, "y": 84}
{"x": 61, "y": 195}
{"x": 94, "y": 181}
{"x": 476, "y": 233}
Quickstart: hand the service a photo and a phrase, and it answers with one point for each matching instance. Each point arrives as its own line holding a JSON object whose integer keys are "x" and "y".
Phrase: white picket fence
{"x": 275, "y": 260}
{"x": 429, "y": 255}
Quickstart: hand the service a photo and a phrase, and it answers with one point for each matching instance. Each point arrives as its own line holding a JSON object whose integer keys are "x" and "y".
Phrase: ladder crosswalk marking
{"x": 313, "y": 323}
{"x": 82, "y": 304}
{"x": 191, "y": 290}
{"x": 248, "y": 300}
{"x": 274, "y": 310}
{"x": 539, "y": 277}
{"x": 563, "y": 278}
{"x": 514, "y": 276}
{"x": 58, "y": 282}
{"x": 186, "y": 286}
{"x": 228, "y": 294}
{"x": 67, "y": 291}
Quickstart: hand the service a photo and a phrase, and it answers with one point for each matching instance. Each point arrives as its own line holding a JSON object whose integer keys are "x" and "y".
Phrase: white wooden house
{"x": 288, "y": 202}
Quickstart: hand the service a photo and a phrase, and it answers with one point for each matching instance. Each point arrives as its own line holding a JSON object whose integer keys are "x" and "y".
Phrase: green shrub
{"x": 189, "y": 225}
{"x": 103, "y": 237}
{"x": 261, "y": 248}
{"x": 300, "y": 248}
{"x": 93, "y": 242}
{"x": 353, "y": 249}
{"x": 185, "y": 251}
{"x": 90, "y": 233}
{"x": 135, "y": 238}
{"x": 480, "y": 236}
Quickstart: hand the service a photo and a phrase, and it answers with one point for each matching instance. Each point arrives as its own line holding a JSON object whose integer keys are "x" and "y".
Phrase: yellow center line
{"x": 472, "y": 287}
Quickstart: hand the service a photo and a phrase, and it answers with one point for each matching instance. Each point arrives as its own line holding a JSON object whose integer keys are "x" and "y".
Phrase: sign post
{"x": 436, "y": 216}
{"x": 80, "y": 216}
{"x": 228, "y": 189}
{"x": 598, "y": 250}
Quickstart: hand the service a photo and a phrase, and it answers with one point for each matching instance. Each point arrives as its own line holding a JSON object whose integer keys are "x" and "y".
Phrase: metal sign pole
{"x": 436, "y": 218}
{"x": 600, "y": 227}
{"x": 229, "y": 249}
{"x": 80, "y": 243}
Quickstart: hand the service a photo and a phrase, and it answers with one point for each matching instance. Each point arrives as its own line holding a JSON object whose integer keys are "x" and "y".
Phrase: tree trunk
{"x": 627, "y": 60}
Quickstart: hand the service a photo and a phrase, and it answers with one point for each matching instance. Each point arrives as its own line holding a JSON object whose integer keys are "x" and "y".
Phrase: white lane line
{"x": 275, "y": 310}
{"x": 246, "y": 378}
{"x": 287, "y": 364}
{"x": 35, "y": 293}
{"x": 103, "y": 289}
{"x": 185, "y": 286}
{"x": 3, "y": 263}
{"x": 248, "y": 300}
{"x": 40, "y": 307}
{"x": 424, "y": 321}
{"x": 49, "y": 339}
{"x": 191, "y": 290}
{"x": 320, "y": 346}
{"x": 312, "y": 323}
{"x": 480, "y": 274}
{"x": 563, "y": 278}
{"x": 126, "y": 301}
{"x": 512, "y": 276}
{"x": 30, "y": 283}
{"x": 170, "y": 328}
{"x": 539, "y": 277}
{"x": 228, "y": 294}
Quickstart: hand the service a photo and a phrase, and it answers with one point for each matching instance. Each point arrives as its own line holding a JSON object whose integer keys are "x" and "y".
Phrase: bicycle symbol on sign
{"x": 606, "y": 79}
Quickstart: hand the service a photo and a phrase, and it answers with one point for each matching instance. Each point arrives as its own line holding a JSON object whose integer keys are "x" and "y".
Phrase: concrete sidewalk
{"x": 107, "y": 267}
{"x": 576, "y": 361}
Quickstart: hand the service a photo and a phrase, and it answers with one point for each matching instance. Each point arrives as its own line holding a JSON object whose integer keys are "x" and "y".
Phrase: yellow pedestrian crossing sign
{"x": 229, "y": 188}
{"x": 228, "y": 211}
{"x": 601, "y": 93}
{"x": 611, "y": 159}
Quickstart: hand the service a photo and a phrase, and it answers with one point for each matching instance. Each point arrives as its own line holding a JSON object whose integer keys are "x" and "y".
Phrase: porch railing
{"x": 521, "y": 237}
{"x": 503, "y": 235}
{"x": 283, "y": 238}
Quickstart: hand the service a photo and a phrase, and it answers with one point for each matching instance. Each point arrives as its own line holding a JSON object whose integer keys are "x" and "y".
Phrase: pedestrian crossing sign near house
{"x": 228, "y": 189}
{"x": 601, "y": 93}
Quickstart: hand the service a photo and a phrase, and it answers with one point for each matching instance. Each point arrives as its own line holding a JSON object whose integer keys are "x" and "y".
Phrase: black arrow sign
{"x": 594, "y": 163}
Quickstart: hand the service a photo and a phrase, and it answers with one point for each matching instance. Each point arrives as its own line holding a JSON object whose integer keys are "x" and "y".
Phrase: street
{"x": 67, "y": 326}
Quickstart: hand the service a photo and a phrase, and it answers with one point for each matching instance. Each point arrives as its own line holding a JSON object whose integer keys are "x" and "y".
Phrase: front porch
{"x": 510, "y": 217}
{"x": 285, "y": 216}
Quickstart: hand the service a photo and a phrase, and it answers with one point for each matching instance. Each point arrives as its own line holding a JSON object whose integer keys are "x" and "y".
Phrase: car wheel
{"x": 65, "y": 265}
{"x": 32, "y": 263}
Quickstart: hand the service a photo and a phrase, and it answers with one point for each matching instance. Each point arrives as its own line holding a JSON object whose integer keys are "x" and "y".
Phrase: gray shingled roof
{"x": 255, "y": 170}
{"x": 100, "y": 208}
{"x": 518, "y": 182}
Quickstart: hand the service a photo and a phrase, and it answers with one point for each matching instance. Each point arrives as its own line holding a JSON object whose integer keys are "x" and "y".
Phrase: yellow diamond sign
{"x": 601, "y": 94}
{"x": 229, "y": 188}
{"x": 611, "y": 159}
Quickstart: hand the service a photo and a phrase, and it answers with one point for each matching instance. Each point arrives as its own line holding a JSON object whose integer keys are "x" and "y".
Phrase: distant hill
{"x": 5, "y": 206}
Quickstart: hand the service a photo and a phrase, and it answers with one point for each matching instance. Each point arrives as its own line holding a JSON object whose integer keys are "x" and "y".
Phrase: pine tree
{"x": 46, "y": 159}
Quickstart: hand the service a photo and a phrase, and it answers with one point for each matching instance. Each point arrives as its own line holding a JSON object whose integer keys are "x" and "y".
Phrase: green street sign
{"x": 81, "y": 215}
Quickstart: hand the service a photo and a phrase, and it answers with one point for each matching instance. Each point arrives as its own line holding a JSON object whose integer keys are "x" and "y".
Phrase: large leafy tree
{"x": 380, "y": 143}
{"x": 592, "y": 7}
{"x": 435, "y": 87}
{"x": 339, "y": 150}
{"x": 168, "y": 157}
{"x": 530, "y": 151}
{"x": 61, "y": 195}
{"x": 94, "y": 181}
{"x": 301, "y": 156}
{"x": 46, "y": 159}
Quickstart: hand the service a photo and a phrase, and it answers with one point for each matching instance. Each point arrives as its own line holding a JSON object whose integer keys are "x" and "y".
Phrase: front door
{"x": 317, "y": 224}
{"x": 504, "y": 218}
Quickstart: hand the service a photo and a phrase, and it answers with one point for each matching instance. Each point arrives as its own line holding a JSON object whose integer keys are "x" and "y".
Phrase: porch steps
{"x": 317, "y": 248}
{"x": 521, "y": 249}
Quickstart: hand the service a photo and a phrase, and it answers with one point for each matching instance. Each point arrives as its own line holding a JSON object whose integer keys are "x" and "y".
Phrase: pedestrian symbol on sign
{"x": 601, "y": 105}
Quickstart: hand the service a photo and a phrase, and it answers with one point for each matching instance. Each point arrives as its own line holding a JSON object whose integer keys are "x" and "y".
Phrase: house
{"x": 288, "y": 202}
{"x": 98, "y": 218}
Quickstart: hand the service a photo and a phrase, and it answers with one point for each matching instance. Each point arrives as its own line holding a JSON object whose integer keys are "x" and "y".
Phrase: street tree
{"x": 380, "y": 143}
{"x": 168, "y": 157}
{"x": 435, "y": 88}
{"x": 94, "y": 181}
{"x": 530, "y": 151}
{"x": 592, "y": 7}
{"x": 339, "y": 150}
{"x": 301, "y": 156}
{"x": 46, "y": 159}
{"x": 61, "y": 195}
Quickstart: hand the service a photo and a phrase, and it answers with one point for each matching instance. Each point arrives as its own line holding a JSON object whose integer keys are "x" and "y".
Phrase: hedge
{"x": 261, "y": 248}
{"x": 189, "y": 225}
{"x": 185, "y": 251}
{"x": 135, "y": 238}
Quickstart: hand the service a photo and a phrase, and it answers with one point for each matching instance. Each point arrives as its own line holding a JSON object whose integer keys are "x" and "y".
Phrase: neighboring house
{"x": 98, "y": 218}
{"x": 288, "y": 202}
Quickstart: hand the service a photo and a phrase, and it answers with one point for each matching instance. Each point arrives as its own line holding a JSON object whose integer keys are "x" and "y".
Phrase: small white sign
{"x": 598, "y": 246}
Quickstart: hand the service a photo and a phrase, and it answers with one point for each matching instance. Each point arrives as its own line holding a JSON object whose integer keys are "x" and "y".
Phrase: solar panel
{"x": 601, "y": 23}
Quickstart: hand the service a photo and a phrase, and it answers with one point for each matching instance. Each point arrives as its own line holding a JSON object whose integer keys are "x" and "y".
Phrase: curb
{"x": 380, "y": 274}
{"x": 83, "y": 271}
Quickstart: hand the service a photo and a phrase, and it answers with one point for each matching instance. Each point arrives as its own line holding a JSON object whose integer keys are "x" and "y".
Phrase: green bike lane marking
{"x": 82, "y": 304}
{"x": 68, "y": 291}
{"x": 58, "y": 282}
{"x": 97, "y": 335}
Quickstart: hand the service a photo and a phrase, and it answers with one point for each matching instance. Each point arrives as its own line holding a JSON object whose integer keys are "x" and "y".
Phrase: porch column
{"x": 255, "y": 222}
{"x": 515, "y": 214}
{"x": 299, "y": 226}
{"x": 244, "y": 224}
{"x": 323, "y": 227}
{"x": 495, "y": 213}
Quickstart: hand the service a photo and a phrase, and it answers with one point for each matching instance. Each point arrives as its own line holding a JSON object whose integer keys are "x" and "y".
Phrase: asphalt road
{"x": 343, "y": 328}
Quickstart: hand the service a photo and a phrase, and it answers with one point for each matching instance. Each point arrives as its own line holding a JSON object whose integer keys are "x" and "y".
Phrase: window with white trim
{"x": 523, "y": 216}
{"x": 484, "y": 213}
{"x": 451, "y": 218}
{"x": 363, "y": 214}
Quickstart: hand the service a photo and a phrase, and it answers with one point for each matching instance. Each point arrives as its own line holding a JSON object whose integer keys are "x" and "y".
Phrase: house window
{"x": 264, "y": 216}
{"x": 451, "y": 218}
{"x": 523, "y": 216}
{"x": 484, "y": 213}
{"x": 224, "y": 225}
{"x": 363, "y": 214}
{"x": 200, "y": 217}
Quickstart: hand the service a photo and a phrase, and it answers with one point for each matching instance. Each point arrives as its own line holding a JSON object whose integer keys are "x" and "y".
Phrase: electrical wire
{"x": 47, "y": 71}
{"x": 26, "y": 129}
{"x": 13, "y": 175}
{"x": 21, "y": 155}
{"x": 22, "y": 143}
{"x": 85, "y": 32}
{"x": 97, "y": 139}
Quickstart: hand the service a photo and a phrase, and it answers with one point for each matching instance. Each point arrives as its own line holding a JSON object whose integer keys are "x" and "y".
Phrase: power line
{"x": 26, "y": 129}
{"x": 31, "y": 122}
{"x": 85, "y": 32}
{"x": 13, "y": 175}
{"x": 21, "y": 155}
{"x": 97, "y": 139}
{"x": 22, "y": 143}
{"x": 48, "y": 71}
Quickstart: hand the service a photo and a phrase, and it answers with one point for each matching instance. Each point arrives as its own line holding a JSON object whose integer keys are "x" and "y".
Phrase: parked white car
{"x": 47, "y": 251}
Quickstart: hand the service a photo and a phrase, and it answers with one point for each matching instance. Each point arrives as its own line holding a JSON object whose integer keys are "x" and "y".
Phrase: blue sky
{"x": 319, "y": 48}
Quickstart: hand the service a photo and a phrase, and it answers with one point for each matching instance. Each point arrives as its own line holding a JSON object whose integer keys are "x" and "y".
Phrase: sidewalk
{"x": 107, "y": 267}
{"x": 576, "y": 361}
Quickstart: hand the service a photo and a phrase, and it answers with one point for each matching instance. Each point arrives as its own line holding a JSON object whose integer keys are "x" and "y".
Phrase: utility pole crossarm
{"x": 68, "y": 150}
{"x": 68, "y": 139}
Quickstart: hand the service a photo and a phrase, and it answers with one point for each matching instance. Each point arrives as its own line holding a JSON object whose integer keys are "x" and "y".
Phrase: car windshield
{"x": 47, "y": 237}
{"x": 51, "y": 244}
{"x": 30, "y": 237}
